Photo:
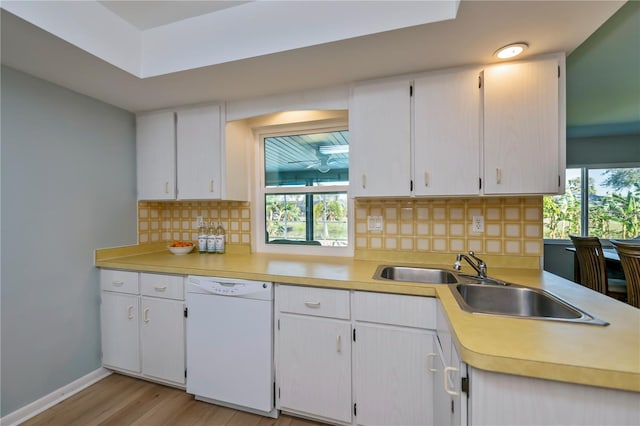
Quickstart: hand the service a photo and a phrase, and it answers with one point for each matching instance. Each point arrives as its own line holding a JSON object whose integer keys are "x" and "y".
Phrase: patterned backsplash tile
{"x": 177, "y": 220}
{"x": 512, "y": 225}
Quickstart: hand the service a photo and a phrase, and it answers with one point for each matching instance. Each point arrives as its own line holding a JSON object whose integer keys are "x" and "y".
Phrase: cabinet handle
{"x": 339, "y": 343}
{"x": 211, "y": 185}
{"x": 430, "y": 357}
{"x": 145, "y": 315}
{"x": 448, "y": 370}
{"x": 160, "y": 288}
{"x": 166, "y": 187}
{"x": 364, "y": 181}
{"x": 312, "y": 304}
{"x": 130, "y": 312}
{"x": 117, "y": 283}
{"x": 426, "y": 178}
{"x": 498, "y": 175}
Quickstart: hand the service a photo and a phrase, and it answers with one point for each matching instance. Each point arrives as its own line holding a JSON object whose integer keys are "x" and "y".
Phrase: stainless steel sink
{"x": 518, "y": 301}
{"x": 474, "y": 279}
{"x": 415, "y": 274}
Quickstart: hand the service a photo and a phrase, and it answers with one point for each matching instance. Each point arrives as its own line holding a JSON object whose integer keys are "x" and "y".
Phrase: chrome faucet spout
{"x": 479, "y": 265}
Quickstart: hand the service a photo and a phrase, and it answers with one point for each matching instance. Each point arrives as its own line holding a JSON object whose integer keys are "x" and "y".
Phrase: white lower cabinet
{"x": 314, "y": 362}
{"x": 450, "y": 371}
{"x": 394, "y": 343}
{"x": 327, "y": 339}
{"x": 313, "y": 353}
{"x": 162, "y": 339}
{"x": 392, "y": 383}
{"x": 120, "y": 316}
{"x": 143, "y": 325}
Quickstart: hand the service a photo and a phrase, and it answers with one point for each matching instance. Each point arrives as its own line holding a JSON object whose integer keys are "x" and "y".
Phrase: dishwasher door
{"x": 230, "y": 343}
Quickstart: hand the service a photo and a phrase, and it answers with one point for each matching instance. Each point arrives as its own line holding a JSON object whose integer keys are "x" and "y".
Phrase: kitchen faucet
{"x": 480, "y": 267}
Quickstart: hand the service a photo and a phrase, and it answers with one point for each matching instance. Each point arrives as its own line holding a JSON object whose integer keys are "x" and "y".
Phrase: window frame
{"x": 584, "y": 196}
{"x": 259, "y": 223}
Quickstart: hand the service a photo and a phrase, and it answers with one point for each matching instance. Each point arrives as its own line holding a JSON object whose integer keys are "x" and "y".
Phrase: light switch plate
{"x": 477, "y": 224}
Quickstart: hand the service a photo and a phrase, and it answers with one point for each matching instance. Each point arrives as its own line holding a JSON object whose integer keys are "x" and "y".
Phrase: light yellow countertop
{"x": 568, "y": 352}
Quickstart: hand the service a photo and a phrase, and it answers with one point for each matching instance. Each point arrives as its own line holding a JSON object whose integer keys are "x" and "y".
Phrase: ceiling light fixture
{"x": 333, "y": 149}
{"x": 511, "y": 50}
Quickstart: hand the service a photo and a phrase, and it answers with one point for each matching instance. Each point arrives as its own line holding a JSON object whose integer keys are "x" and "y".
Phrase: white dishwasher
{"x": 230, "y": 343}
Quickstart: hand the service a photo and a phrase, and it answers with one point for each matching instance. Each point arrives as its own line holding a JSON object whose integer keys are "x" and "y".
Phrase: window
{"x": 306, "y": 178}
{"x": 603, "y": 202}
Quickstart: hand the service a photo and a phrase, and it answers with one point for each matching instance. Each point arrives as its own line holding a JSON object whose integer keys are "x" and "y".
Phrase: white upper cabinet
{"x": 380, "y": 139}
{"x": 447, "y": 113}
{"x": 524, "y": 140}
{"x": 191, "y": 160}
{"x": 156, "y": 156}
{"x": 199, "y": 153}
{"x": 493, "y": 130}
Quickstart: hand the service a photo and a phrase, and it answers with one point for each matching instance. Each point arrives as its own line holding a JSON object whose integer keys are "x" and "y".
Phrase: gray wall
{"x": 67, "y": 188}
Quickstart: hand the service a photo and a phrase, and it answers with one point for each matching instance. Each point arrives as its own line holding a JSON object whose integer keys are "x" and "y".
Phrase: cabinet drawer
{"x": 164, "y": 286}
{"x": 395, "y": 309}
{"x": 322, "y": 302}
{"x": 120, "y": 281}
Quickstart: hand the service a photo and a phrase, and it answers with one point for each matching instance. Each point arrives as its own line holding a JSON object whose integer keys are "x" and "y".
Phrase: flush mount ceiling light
{"x": 511, "y": 50}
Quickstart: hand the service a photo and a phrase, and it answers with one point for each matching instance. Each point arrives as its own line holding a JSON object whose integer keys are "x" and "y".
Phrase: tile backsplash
{"x": 512, "y": 225}
{"x": 177, "y": 220}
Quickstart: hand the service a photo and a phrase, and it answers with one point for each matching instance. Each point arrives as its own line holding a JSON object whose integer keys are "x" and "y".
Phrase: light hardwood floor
{"x": 121, "y": 400}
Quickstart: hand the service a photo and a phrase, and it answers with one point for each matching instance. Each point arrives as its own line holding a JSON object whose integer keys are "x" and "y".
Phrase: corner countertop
{"x": 568, "y": 352}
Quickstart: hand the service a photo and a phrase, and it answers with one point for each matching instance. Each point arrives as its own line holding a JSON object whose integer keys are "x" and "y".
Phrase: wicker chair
{"x": 630, "y": 258}
{"x": 592, "y": 268}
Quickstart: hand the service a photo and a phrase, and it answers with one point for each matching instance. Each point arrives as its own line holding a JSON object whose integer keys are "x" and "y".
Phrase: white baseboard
{"x": 36, "y": 407}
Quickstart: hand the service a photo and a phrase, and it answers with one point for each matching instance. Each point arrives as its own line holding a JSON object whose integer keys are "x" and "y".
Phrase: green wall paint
{"x": 603, "y": 74}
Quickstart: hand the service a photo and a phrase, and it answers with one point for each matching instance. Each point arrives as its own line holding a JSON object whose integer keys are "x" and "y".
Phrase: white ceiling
{"x": 479, "y": 28}
{"x": 150, "y": 14}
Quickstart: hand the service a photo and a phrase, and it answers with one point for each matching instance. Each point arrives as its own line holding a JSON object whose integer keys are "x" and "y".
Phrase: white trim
{"x": 36, "y": 407}
{"x": 258, "y": 244}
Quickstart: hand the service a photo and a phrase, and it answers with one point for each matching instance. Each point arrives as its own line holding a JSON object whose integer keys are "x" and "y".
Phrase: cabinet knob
{"x": 312, "y": 304}
{"x": 211, "y": 185}
{"x": 166, "y": 187}
{"x": 130, "y": 312}
{"x": 498, "y": 175}
{"x": 426, "y": 178}
{"x": 364, "y": 181}
{"x": 145, "y": 315}
{"x": 117, "y": 283}
{"x": 160, "y": 288}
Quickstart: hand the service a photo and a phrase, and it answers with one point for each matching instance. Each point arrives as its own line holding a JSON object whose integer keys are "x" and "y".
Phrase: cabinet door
{"x": 392, "y": 381}
{"x": 380, "y": 139}
{"x": 119, "y": 314}
{"x": 156, "y": 156}
{"x": 459, "y": 401}
{"x": 443, "y": 405}
{"x": 162, "y": 337}
{"x": 314, "y": 366}
{"x": 447, "y": 133}
{"x": 521, "y": 128}
{"x": 199, "y": 153}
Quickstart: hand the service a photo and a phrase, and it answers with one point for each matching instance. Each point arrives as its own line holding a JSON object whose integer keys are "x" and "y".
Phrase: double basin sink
{"x": 486, "y": 295}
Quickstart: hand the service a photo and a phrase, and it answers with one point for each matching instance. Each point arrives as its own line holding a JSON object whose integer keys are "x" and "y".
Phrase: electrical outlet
{"x": 374, "y": 223}
{"x": 477, "y": 224}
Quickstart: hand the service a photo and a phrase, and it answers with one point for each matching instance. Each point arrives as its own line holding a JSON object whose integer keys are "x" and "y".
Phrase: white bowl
{"x": 180, "y": 250}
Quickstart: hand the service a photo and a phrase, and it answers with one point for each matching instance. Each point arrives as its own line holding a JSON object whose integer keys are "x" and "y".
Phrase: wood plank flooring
{"x": 121, "y": 400}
